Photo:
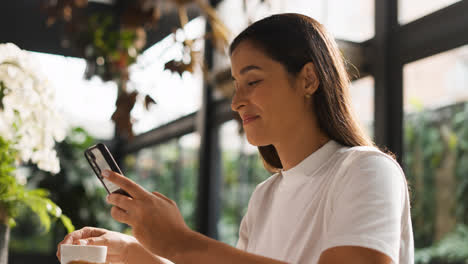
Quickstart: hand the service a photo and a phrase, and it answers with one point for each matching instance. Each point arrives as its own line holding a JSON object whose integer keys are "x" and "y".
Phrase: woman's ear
{"x": 310, "y": 79}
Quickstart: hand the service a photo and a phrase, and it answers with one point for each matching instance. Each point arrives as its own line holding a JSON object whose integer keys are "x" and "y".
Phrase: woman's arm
{"x": 201, "y": 249}
{"x": 157, "y": 224}
{"x": 139, "y": 255}
{"x": 159, "y": 227}
{"x": 353, "y": 255}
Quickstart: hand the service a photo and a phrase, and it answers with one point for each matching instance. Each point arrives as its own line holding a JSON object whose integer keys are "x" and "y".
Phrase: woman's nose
{"x": 238, "y": 101}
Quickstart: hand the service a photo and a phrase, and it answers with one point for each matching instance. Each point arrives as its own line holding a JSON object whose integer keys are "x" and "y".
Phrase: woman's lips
{"x": 249, "y": 119}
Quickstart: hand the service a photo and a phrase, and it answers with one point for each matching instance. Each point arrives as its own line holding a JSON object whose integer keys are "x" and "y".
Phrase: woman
{"x": 334, "y": 198}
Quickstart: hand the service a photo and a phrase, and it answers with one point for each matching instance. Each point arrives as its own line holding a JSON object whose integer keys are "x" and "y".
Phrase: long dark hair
{"x": 294, "y": 40}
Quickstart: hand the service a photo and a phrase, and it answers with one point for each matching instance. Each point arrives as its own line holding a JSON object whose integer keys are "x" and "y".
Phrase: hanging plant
{"x": 111, "y": 42}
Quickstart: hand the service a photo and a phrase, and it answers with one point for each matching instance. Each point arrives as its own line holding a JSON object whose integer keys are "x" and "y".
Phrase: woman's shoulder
{"x": 369, "y": 166}
{"x": 366, "y": 155}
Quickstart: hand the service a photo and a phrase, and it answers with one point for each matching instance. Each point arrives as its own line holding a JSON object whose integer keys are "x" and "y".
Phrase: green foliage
{"x": 14, "y": 195}
{"x": 452, "y": 249}
{"x": 169, "y": 169}
{"x": 241, "y": 174}
{"x": 105, "y": 42}
{"x": 431, "y": 136}
{"x": 75, "y": 189}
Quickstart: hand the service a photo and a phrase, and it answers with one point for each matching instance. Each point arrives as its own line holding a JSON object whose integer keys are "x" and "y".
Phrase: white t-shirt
{"x": 337, "y": 196}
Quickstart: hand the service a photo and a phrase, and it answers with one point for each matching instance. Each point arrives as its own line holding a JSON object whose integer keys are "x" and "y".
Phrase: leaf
{"x": 67, "y": 223}
{"x": 11, "y": 222}
{"x": 453, "y": 139}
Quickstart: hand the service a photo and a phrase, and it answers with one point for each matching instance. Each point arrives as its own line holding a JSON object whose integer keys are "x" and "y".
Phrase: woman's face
{"x": 268, "y": 99}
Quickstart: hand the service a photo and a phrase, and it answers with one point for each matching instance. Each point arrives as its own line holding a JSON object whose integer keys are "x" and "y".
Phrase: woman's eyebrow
{"x": 249, "y": 68}
{"x": 246, "y": 69}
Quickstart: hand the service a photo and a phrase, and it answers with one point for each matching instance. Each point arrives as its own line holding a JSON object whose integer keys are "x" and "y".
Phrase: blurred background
{"x": 151, "y": 79}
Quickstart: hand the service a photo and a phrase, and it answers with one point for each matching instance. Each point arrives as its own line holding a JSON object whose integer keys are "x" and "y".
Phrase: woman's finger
{"x": 94, "y": 241}
{"x": 125, "y": 183}
{"x": 120, "y": 215}
{"x": 122, "y": 201}
{"x": 84, "y": 232}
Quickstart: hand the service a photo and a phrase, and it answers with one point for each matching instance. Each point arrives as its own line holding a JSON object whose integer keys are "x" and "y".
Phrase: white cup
{"x": 86, "y": 254}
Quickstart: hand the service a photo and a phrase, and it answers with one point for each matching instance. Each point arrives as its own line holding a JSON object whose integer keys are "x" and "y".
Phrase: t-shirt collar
{"x": 311, "y": 163}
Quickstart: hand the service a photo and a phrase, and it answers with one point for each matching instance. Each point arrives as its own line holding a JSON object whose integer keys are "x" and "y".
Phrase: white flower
{"x": 29, "y": 118}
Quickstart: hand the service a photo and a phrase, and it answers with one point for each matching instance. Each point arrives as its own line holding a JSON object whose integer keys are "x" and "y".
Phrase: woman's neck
{"x": 299, "y": 145}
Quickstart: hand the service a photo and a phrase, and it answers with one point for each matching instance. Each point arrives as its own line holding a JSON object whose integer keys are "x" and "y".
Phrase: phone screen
{"x": 102, "y": 164}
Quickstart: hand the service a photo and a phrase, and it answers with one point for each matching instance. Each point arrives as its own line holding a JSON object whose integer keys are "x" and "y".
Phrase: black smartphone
{"x": 100, "y": 158}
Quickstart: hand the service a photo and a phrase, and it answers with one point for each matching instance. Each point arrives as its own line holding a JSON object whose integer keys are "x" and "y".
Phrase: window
{"x": 362, "y": 96}
{"x": 175, "y": 95}
{"x": 86, "y": 104}
{"x": 171, "y": 169}
{"x": 436, "y": 81}
{"x": 409, "y": 10}
{"x": 336, "y": 15}
{"x": 242, "y": 170}
{"x": 436, "y": 145}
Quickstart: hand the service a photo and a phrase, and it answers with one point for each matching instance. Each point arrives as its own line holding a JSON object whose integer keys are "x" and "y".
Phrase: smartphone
{"x": 100, "y": 158}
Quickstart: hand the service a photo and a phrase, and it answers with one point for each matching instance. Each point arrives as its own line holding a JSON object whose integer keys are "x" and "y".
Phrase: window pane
{"x": 171, "y": 169}
{"x": 349, "y": 20}
{"x": 334, "y": 14}
{"x": 409, "y": 10}
{"x": 362, "y": 96}
{"x": 242, "y": 171}
{"x": 436, "y": 151}
{"x": 436, "y": 81}
{"x": 175, "y": 95}
{"x": 90, "y": 103}
{"x": 84, "y": 103}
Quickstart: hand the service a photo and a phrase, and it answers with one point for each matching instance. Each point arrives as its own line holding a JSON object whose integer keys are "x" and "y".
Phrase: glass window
{"x": 171, "y": 169}
{"x": 436, "y": 81}
{"x": 436, "y": 151}
{"x": 175, "y": 95}
{"x": 409, "y": 10}
{"x": 348, "y": 20}
{"x": 84, "y": 103}
{"x": 242, "y": 170}
{"x": 90, "y": 103}
{"x": 362, "y": 96}
{"x": 334, "y": 14}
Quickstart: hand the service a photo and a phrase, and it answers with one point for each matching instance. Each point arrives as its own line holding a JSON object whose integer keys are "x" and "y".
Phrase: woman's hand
{"x": 119, "y": 246}
{"x": 155, "y": 219}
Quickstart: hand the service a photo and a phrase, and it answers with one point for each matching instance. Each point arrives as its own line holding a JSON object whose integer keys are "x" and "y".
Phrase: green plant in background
{"x": 436, "y": 164}
{"x": 29, "y": 127}
{"x": 451, "y": 249}
{"x": 241, "y": 174}
{"x": 75, "y": 188}
{"x": 13, "y": 195}
{"x": 170, "y": 169}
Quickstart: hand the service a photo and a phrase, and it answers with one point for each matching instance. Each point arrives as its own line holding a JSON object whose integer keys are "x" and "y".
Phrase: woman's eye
{"x": 254, "y": 82}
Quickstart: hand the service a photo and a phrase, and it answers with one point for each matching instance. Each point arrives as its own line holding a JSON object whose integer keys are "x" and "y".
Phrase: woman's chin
{"x": 256, "y": 140}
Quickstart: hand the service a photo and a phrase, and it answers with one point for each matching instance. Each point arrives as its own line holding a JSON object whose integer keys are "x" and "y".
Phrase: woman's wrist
{"x": 138, "y": 254}
{"x": 134, "y": 250}
{"x": 189, "y": 242}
